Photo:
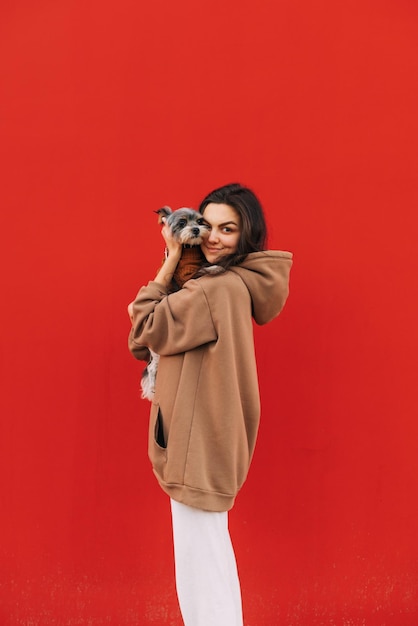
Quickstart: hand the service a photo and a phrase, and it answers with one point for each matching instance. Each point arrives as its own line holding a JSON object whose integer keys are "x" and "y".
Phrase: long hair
{"x": 253, "y": 235}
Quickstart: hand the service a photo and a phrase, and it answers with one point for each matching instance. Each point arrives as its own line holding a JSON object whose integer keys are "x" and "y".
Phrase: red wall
{"x": 110, "y": 109}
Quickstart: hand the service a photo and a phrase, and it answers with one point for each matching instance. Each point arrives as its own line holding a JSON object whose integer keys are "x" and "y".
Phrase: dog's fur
{"x": 190, "y": 229}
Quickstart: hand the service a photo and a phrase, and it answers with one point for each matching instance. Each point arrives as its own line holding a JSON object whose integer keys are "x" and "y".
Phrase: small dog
{"x": 190, "y": 229}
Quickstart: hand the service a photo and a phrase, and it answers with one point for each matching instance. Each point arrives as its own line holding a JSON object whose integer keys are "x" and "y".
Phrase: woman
{"x": 205, "y": 413}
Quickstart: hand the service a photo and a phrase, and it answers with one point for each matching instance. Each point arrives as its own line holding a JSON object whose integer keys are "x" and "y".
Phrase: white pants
{"x": 207, "y": 581}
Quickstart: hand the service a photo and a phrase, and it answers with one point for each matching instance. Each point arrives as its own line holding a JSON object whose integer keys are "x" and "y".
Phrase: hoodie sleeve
{"x": 171, "y": 323}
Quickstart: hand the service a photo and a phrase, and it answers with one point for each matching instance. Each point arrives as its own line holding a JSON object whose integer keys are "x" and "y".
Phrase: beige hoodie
{"x": 206, "y": 410}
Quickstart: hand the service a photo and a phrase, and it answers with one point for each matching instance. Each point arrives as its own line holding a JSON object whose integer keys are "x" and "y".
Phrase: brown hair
{"x": 253, "y": 235}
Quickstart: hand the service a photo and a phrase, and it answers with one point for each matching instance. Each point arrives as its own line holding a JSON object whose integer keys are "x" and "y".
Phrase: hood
{"x": 266, "y": 276}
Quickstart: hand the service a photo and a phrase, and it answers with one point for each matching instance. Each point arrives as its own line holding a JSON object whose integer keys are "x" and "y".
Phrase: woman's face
{"x": 224, "y": 232}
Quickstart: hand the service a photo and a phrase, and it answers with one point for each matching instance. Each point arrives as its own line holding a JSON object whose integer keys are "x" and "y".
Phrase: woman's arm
{"x": 171, "y": 324}
{"x": 166, "y": 271}
{"x": 174, "y": 324}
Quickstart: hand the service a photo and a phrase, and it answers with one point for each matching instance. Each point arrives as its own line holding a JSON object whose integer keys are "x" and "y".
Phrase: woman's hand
{"x": 166, "y": 272}
{"x": 174, "y": 248}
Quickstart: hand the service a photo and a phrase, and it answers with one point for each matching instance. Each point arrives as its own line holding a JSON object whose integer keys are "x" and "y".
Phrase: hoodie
{"x": 206, "y": 409}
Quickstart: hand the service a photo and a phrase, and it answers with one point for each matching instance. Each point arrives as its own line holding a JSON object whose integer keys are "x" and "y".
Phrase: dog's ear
{"x": 165, "y": 211}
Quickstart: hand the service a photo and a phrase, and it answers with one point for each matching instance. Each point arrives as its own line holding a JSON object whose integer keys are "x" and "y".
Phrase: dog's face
{"x": 188, "y": 226}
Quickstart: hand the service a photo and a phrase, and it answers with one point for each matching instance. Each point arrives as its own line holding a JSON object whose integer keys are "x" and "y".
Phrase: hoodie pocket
{"x": 159, "y": 430}
{"x": 157, "y": 446}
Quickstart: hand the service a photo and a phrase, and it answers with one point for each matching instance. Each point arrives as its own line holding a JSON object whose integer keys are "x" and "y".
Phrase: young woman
{"x": 206, "y": 409}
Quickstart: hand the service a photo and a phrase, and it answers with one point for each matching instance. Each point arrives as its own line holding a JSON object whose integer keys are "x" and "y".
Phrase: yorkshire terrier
{"x": 190, "y": 229}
